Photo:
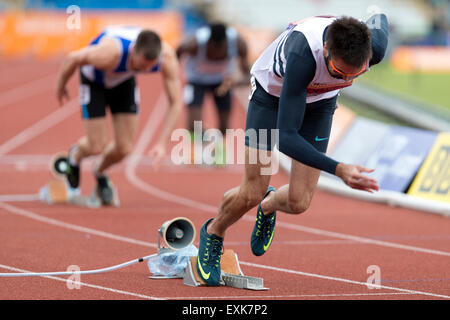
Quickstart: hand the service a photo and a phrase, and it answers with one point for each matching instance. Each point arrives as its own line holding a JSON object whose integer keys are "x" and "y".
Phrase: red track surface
{"x": 322, "y": 254}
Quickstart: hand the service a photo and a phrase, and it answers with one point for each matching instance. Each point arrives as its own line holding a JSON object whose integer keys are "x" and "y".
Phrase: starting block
{"x": 231, "y": 274}
{"x": 57, "y": 192}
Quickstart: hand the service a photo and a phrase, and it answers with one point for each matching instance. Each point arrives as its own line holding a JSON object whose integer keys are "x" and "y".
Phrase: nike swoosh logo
{"x": 320, "y": 139}
{"x": 266, "y": 246}
{"x": 204, "y": 274}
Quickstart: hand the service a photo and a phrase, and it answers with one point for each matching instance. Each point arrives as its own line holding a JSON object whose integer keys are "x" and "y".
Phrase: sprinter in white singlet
{"x": 295, "y": 85}
{"x": 213, "y": 55}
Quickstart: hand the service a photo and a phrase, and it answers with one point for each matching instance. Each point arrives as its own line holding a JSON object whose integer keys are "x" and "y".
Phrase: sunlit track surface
{"x": 325, "y": 253}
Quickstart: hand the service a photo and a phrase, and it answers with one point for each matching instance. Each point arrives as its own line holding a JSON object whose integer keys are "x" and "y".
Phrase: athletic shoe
{"x": 104, "y": 189}
{"x": 264, "y": 229}
{"x": 220, "y": 157}
{"x": 72, "y": 172}
{"x": 208, "y": 259}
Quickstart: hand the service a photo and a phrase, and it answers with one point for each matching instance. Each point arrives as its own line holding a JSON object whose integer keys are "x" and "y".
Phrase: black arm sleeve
{"x": 299, "y": 72}
{"x": 379, "y": 28}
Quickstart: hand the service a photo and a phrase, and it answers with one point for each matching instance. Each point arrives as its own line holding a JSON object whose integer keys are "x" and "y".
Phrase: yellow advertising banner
{"x": 433, "y": 178}
{"x": 45, "y": 34}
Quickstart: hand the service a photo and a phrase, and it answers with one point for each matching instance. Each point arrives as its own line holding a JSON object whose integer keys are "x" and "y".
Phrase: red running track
{"x": 323, "y": 254}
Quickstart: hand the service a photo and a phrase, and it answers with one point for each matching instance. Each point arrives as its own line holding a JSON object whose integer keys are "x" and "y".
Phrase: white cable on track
{"x": 68, "y": 273}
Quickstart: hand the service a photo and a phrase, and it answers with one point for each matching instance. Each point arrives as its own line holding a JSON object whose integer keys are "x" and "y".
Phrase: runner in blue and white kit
{"x": 108, "y": 67}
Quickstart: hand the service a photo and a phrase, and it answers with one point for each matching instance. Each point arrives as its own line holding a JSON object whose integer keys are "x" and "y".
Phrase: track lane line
{"x": 292, "y": 296}
{"x": 26, "y": 90}
{"x": 94, "y": 286}
{"x": 307, "y": 274}
{"x": 359, "y": 239}
{"x": 18, "y": 197}
{"x": 34, "y": 216}
{"x": 41, "y": 126}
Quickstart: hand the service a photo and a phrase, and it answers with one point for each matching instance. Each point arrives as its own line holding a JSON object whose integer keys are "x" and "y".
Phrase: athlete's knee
{"x": 96, "y": 146}
{"x": 124, "y": 149}
{"x": 252, "y": 200}
{"x": 298, "y": 204}
{"x": 252, "y": 197}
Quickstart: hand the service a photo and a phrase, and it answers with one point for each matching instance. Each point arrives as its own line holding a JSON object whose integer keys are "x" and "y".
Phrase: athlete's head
{"x": 218, "y": 33}
{"x": 146, "y": 50}
{"x": 347, "y": 48}
{"x": 217, "y": 45}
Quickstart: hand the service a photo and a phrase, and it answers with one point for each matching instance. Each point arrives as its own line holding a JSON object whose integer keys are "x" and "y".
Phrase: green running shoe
{"x": 208, "y": 259}
{"x": 73, "y": 176}
{"x": 264, "y": 229}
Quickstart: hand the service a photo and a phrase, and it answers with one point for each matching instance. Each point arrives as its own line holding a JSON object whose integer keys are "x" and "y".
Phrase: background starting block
{"x": 231, "y": 274}
{"x": 57, "y": 192}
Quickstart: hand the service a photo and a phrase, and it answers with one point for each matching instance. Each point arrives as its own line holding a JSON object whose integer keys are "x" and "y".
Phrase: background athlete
{"x": 295, "y": 85}
{"x": 107, "y": 70}
{"x": 214, "y": 55}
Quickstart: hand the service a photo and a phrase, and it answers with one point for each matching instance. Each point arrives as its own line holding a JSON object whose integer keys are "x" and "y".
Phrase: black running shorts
{"x": 194, "y": 94}
{"x": 94, "y": 98}
{"x": 263, "y": 114}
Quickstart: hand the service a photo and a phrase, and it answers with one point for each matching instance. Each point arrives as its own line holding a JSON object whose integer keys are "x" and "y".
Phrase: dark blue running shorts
{"x": 263, "y": 112}
{"x": 124, "y": 98}
{"x": 194, "y": 94}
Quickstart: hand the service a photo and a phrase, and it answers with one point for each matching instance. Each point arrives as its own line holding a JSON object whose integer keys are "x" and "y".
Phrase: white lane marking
{"x": 70, "y": 226}
{"x": 130, "y": 167}
{"x": 94, "y": 286}
{"x": 18, "y": 197}
{"x": 292, "y": 296}
{"x": 41, "y": 126}
{"x": 26, "y": 90}
{"x": 360, "y": 239}
{"x": 340, "y": 279}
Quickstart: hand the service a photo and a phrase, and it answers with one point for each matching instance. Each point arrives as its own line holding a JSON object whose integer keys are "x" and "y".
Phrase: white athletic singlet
{"x": 269, "y": 68}
{"x": 203, "y": 71}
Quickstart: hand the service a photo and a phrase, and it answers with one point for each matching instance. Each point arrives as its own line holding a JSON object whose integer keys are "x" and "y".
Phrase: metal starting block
{"x": 231, "y": 274}
{"x": 57, "y": 192}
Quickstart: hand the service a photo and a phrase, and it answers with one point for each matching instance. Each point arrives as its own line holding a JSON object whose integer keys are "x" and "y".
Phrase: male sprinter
{"x": 212, "y": 54}
{"x": 107, "y": 69}
{"x": 295, "y": 85}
